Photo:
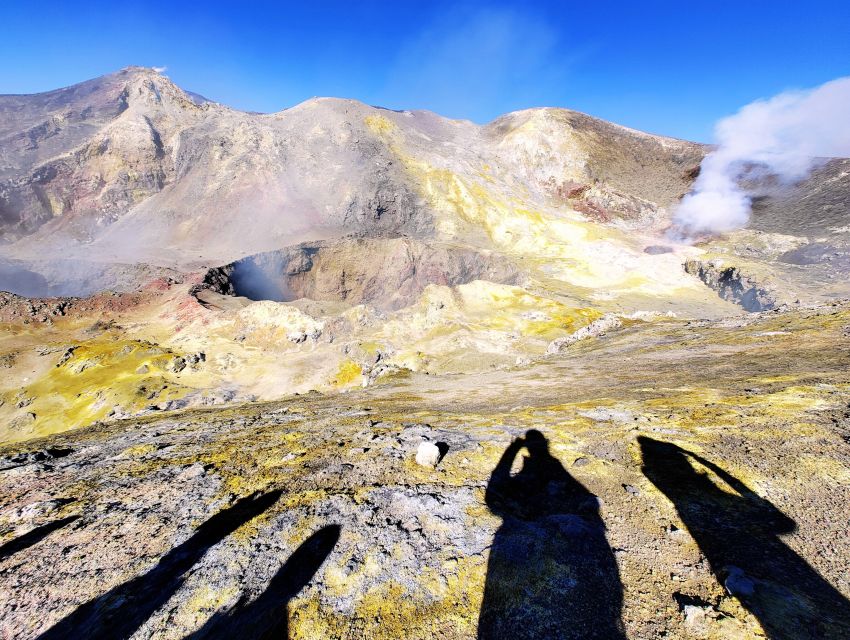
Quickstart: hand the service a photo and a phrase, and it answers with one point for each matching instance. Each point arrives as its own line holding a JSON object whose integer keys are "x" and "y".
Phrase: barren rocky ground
{"x": 135, "y": 503}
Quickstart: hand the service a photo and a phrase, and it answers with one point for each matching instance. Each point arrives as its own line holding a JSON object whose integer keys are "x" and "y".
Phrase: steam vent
{"x": 348, "y": 372}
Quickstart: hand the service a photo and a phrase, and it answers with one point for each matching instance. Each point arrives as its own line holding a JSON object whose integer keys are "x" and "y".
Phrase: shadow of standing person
{"x": 34, "y": 537}
{"x": 118, "y": 613}
{"x": 551, "y": 572}
{"x": 267, "y": 618}
{"x": 739, "y": 535}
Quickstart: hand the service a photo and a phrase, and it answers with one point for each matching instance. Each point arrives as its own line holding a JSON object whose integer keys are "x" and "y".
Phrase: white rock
{"x": 595, "y": 329}
{"x": 428, "y": 454}
{"x": 695, "y": 616}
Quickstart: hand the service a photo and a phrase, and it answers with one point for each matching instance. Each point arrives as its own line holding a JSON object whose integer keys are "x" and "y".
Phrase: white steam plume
{"x": 783, "y": 135}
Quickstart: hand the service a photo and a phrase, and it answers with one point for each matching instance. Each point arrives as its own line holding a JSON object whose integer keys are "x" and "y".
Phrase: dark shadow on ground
{"x": 551, "y": 572}
{"x": 739, "y": 535}
{"x": 120, "y": 612}
{"x": 266, "y": 618}
{"x": 34, "y": 537}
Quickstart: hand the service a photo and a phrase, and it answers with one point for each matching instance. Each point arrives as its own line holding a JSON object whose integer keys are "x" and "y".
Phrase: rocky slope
{"x": 194, "y": 523}
{"x": 130, "y": 158}
{"x": 96, "y": 153}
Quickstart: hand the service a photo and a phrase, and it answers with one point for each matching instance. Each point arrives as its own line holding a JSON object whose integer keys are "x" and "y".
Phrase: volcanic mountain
{"x": 225, "y": 334}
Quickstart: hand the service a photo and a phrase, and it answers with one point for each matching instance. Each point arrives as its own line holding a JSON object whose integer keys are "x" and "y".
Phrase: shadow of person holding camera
{"x": 551, "y": 572}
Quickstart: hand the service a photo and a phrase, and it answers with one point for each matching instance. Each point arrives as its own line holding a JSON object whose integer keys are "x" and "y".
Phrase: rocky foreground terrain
{"x": 343, "y": 372}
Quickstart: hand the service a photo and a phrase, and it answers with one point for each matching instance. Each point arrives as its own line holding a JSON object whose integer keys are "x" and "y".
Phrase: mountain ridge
{"x": 155, "y": 97}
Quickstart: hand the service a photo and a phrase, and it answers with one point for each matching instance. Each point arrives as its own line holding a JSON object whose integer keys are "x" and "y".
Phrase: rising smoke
{"x": 783, "y": 136}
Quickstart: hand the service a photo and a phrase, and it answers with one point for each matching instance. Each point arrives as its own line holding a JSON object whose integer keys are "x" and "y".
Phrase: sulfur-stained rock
{"x": 416, "y": 548}
{"x": 595, "y": 329}
{"x": 176, "y": 364}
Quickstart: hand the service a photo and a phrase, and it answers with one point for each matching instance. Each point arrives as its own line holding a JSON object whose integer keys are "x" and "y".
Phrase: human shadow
{"x": 121, "y": 611}
{"x": 266, "y": 617}
{"x": 551, "y": 572}
{"x": 738, "y": 532}
{"x": 34, "y": 537}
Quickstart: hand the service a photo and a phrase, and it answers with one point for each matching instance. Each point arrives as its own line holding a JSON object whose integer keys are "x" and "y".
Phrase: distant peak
{"x": 145, "y": 70}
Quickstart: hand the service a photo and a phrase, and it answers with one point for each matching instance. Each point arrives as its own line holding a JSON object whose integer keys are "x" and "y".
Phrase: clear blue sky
{"x": 665, "y": 67}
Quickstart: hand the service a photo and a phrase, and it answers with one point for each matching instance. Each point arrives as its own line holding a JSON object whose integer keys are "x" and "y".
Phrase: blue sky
{"x": 666, "y": 67}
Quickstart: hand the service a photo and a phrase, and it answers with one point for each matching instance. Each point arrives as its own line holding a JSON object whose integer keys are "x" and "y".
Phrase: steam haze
{"x": 784, "y": 136}
{"x": 469, "y": 60}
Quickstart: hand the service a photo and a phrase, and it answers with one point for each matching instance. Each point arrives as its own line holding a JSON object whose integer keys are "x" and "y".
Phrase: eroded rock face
{"x": 733, "y": 285}
{"x": 388, "y": 273}
{"x": 130, "y": 169}
{"x": 87, "y": 153}
{"x": 116, "y": 144}
{"x": 595, "y": 329}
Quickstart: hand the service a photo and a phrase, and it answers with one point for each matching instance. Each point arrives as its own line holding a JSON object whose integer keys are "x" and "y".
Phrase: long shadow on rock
{"x": 739, "y": 535}
{"x": 551, "y": 572}
{"x": 266, "y": 618}
{"x": 121, "y": 611}
{"x": 34, "y": 537}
